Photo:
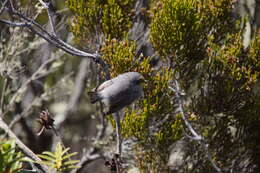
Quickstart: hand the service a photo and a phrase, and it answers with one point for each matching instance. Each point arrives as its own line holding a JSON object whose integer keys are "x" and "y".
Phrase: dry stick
{"x": 195, "y": 136}
{"x": 102, "y": 130}
{"x": 60, "y": 138}
{"x": 21, "y": 145}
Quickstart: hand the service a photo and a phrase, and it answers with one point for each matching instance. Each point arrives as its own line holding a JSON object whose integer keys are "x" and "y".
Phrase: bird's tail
{"x": 93, "y": 96}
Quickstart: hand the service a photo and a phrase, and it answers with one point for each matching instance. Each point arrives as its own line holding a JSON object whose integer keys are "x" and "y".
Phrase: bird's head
{"x": 138, "y": 79}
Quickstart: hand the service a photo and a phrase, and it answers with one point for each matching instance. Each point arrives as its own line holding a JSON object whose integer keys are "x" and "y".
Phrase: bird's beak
{"x": 144, "y": 82}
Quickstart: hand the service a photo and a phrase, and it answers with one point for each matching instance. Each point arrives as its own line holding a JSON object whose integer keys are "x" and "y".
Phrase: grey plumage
{"x": 118, "y": 92}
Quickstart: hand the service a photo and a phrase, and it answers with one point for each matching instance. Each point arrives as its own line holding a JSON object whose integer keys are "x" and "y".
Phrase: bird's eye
{"x": 140, "y": 81}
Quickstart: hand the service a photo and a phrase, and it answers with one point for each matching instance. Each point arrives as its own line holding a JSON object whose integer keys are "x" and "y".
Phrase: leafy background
{"x": 202, "y": 44}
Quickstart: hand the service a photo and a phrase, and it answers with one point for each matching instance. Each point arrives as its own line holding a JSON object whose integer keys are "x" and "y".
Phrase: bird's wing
{"x": 119, "y": 79}
{"x": 104, "y": 85}
{"x": 121, "y": 95}
{"x": 119, "y": 100}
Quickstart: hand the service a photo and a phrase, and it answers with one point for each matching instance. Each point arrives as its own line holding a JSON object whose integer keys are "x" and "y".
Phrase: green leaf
{"x": 46, "y": 157}
{"x": 49, "y": 154}
{"x": 64, "y": 151}
{"x": 71, "y": 162}
{"x": 69, "y": 155}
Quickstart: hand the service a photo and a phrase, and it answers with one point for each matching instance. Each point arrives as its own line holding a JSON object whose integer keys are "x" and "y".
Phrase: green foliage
{"x": 243, "y": 66}
{"x": 110, "y": 18}
{"x": 221, "y": 78}
{"x": 60, "y": 159}
{"x": 180, "y": 29}
{"x": 197, "y": 38}
{"x": 10, "y": 159}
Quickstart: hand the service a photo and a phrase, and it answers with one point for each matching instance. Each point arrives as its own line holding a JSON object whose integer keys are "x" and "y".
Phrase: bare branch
{"x": 196, "y": 136}
{"x": 13, "y": 24}
{"x": 11, "y": 5}
{"x": 51, "y": 38}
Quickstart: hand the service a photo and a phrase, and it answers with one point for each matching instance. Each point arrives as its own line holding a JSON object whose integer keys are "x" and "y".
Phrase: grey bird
{"x": 118, "y": 92}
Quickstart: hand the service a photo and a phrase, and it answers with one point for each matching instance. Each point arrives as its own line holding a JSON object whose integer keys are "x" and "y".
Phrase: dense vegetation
{"x": 200, "y": 44}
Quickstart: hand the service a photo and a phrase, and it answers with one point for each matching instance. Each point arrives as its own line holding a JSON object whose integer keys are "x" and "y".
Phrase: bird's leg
{"x": 119, "y": 141}
{"x": 118, "y": 133}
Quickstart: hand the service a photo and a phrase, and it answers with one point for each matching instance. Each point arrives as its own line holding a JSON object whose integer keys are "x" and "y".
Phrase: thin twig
{"x": 43, "y": 4}
{"x": 102, "y": 130}
{"x": 51, "y": 18}
{"x": 13, "y": 24}
{"x": 11, "y": 5}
